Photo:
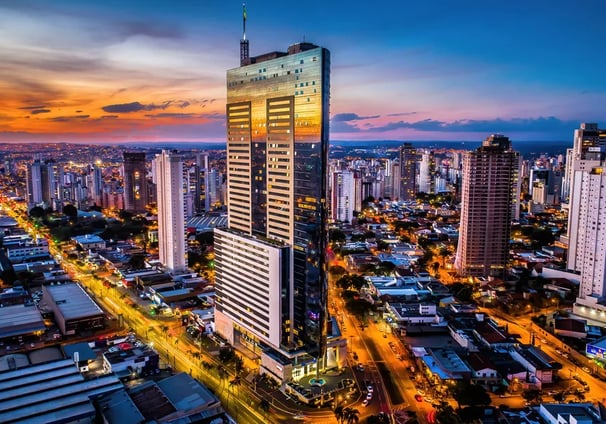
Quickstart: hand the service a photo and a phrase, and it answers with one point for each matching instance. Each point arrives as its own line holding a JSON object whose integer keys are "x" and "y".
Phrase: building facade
{"x": 409, "y": 164}
{"x": 277, "y": 149}
{"x": 134, "y": 172}
{"x": 168, "y": 177}
{"x": 489, "y": 201}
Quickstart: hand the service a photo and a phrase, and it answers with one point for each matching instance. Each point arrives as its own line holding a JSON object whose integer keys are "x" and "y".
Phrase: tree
{"x": 469, "y": 394}
{"x": 70, "y": 211}
{"x": 445, "y": 414}
{"x": 264, "y": 405}
{"x": 352, "y": 415}
{"x": 137, "y": 261}
{"x": 531, "y": 395}
{"x": 336, "y": 236}
{"x": 36, "y": 212}
{"x": 339, "y": 414}
{"x": 337, "y": 271}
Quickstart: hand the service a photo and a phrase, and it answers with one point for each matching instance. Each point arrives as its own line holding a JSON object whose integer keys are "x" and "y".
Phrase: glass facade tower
{"x": 277, "y": 148}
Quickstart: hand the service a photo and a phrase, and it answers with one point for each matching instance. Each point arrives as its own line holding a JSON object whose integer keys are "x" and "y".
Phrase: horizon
{"x": 95, "y": 72}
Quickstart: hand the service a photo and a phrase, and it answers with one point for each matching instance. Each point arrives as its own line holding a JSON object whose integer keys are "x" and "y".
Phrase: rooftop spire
{"x": 244, "y": 56}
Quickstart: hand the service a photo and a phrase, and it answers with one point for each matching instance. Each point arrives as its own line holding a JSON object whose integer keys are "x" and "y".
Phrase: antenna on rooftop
{"x": 244, "y": 56}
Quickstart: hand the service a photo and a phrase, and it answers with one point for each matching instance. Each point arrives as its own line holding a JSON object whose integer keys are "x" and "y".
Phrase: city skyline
{"x": 120, "y": 73}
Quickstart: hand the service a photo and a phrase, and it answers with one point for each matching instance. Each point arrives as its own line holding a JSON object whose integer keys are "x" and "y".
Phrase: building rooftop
{"x": 73, "y": 301}
{"x": 52, "y": 392}
{"x": 16, "y": 320}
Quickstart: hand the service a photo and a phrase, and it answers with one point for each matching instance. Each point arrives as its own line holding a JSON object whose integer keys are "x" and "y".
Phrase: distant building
{"x": 409, "y": 165}
{"x": 135, "y": 181}
{"x": 489, "y": 201}
{"x": 89, "y": 242}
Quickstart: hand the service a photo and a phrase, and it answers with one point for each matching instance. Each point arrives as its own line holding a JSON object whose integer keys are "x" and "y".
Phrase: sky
{"x": 129, "y": 70}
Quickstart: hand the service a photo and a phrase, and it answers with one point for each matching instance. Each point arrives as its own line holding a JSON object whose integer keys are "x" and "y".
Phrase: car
{"x": 552, "y": 392}
{"x": 418, "y": 398}
{"x": 365, "y": 402}
{"x": 586, "y": 369}
{"x": 369, "y": 396}
{"x": 360, "y": 367}
{"x": 369, "y": 389}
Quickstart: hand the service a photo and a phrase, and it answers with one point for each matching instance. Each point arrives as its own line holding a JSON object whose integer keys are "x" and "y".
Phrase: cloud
{"x": 138, "y": 106}
{"x": 171, "y": 115}
{"x": 540, "y": 124}
{"x": 402, "y": 114}
{"x": 37, "y": 111}
{"x": 345, "y": 117}
{"x": 32, "y": 107}
{"x": 69, "y": 118}
{"x": 128, "y": 107}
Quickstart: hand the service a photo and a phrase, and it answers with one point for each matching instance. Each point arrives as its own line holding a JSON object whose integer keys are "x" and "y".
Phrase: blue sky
{"x": 433, "y": 70}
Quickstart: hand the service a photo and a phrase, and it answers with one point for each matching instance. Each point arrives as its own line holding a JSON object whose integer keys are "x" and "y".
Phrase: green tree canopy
{"x": 71, "y": 211}
{"x": 36, "y": 212}
{"x": 469, "y": 394}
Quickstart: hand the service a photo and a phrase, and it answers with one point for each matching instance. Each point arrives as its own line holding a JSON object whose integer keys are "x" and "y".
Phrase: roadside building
{"x": 72, "y": 307}
{"x": 51, "y": 393}
{"x": 19, "y": 321}
{"x": 89, "y": 242}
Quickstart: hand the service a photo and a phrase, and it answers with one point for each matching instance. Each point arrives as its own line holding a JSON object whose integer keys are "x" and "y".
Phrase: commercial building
{"x": 489, "y": 201}
{"x": 51, "y": 392}
{"x": 168, "y": 176}
{"x": 270, "y": 266}
{"x": 135, "y": 181}
{"x": 72, "y": 307}
{"x": 18, "y": 321}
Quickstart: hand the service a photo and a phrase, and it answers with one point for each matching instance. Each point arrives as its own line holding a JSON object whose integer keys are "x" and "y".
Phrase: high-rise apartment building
{"x": 270, "y": 263}
{"x": 585, "y": 179}
{"x": 168, "y": 177}
{"x": 202, "y": 183}
{"x": 489, "y": 200}
{"x": 134, "y": 172}
{"x": 587, "y": 152}
{"x": 409, "y": 164}
{"x": 44, "y": 184}
{"x": 343, "y": 196}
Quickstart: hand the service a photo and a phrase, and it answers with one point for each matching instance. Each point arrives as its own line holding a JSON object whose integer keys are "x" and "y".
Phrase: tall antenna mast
{"x": 244, "y": 56}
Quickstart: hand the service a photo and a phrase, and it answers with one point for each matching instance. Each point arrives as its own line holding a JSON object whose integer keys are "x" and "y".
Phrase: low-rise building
{"x": 74, "y": 310}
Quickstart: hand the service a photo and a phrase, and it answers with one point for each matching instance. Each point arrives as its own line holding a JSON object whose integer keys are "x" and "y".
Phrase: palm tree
{"x": 339, "y": 414}
{"x": 264, "y": 405}
{"x": 352, "y": 415}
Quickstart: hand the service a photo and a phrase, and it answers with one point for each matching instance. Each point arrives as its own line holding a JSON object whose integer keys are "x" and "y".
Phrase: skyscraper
{"x": 588, "y": 152}
{"x": 44, "y": 184}
{"x": 489, "y": 200}
{"x": 586, "y": 178}
{"x": 168, "y": 177}
{"x": 408, "y": 172}
{"x": 202, "y": 196}
{"x": 135, "y": 181}
{"x": 270, "y": 264}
